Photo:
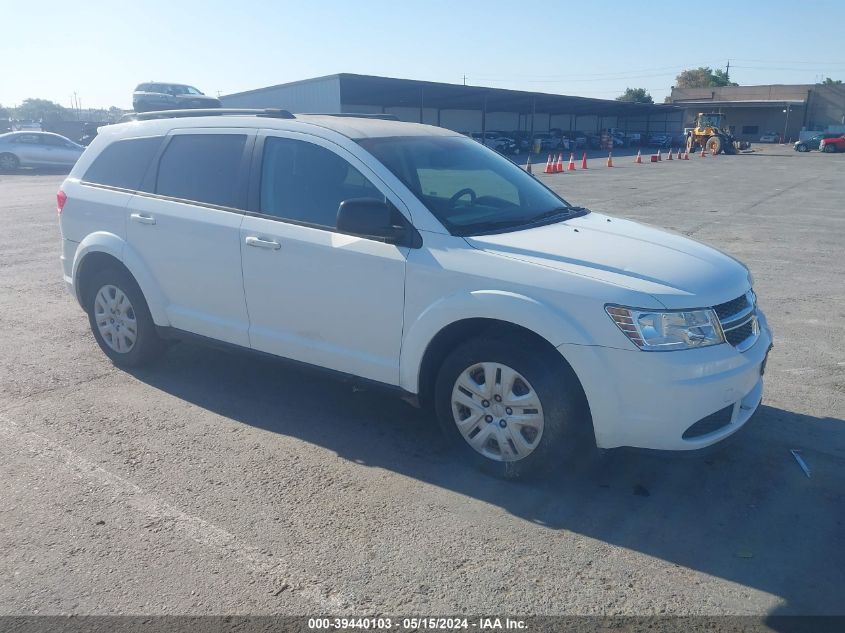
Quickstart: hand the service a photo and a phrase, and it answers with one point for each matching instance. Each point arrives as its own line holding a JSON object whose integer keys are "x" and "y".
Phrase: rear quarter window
{"x": 203, "y": 168}
{"x": 123, "y": 163}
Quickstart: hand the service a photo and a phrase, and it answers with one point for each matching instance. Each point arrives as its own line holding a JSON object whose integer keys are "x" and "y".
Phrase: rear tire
{"x": 9, "y": 162}
{"x": 829, "y": 149}
{"x": 120, "y": 319}
{"x": 490, "y": 428}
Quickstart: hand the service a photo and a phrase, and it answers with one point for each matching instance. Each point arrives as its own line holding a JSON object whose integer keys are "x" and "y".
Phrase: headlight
{"x": 656, "y": 331}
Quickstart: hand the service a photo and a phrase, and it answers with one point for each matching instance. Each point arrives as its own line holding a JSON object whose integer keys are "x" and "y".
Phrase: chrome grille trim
{"x": 737, "y": 316}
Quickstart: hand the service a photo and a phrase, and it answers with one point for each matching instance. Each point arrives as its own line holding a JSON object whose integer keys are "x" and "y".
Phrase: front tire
{"x": 511, "y": 407}
{"x": 802, "y": 148}
{"x": 714, "y": 144}
{"x": 120, "y": 319}
{"x": 829, "y": 149}
{"x": 9, "y": 162}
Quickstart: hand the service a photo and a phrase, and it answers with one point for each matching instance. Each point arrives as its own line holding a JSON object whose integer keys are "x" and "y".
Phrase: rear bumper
{"x": 68, "y": 254}
{"x": 650, "y": 399}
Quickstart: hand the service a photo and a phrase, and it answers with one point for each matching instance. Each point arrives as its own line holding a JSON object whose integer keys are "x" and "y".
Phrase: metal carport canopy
{"x": 747, "y": 103}
{"x": 386, "y": 91}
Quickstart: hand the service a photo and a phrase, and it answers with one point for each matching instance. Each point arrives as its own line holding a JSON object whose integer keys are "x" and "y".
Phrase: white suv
{"x": 412, "y": 257}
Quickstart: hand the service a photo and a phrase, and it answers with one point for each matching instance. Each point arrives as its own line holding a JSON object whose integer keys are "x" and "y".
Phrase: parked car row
{"x": 815, "y": 142}
{"x": 556, "y": 139}
{"x": 15, "y": 125}
{"x": 831, "y": 145}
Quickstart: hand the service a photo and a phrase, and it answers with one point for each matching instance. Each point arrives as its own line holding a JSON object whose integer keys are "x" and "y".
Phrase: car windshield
{"x": 469, "y": 188}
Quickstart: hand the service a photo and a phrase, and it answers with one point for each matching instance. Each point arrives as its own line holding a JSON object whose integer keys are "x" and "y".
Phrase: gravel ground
{"x": 221, "y": 483}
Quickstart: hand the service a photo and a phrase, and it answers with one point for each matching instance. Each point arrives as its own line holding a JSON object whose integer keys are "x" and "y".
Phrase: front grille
{"x": 730, "y": 308}
{"x": 712, "y": 422}
{"x": 738, "y": 318}
{"x": 737, "y": 335}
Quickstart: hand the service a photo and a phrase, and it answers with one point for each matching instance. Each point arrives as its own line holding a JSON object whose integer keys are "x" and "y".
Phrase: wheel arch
{"x": 484, "y": 313}
{"x": 102, "y": 249}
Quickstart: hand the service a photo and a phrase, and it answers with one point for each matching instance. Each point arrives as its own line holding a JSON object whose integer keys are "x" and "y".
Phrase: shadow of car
{"x": 705, "y": 511}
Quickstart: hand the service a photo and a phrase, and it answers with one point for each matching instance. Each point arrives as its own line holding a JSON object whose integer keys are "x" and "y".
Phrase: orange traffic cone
{"x": 572, "y": 161}
{"x": 659, "y": 157}
{"x": 584, "y": 161}
{"x": 703, "y": 155}
{"x": 670, "y": 154}
{"x": 610, "y": 159}
{"x": 713, "y": 151}
{"x": 549, "y": 166}
{"x": 559, "y": 163}
{"x": 528, "y": 165}
{"x": 639, "y": 159}
{"x": 686, "y": 154}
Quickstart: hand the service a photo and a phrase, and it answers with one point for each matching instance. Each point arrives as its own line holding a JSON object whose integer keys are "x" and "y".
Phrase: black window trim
{"x": 253, "y": 208}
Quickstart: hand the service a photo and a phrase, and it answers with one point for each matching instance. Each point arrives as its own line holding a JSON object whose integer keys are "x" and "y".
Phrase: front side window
{"x": 203, "y": 168}
{"x": 468, "y": 187}
{"x": 123, "y": 163}
{"x": 306, "y": 183}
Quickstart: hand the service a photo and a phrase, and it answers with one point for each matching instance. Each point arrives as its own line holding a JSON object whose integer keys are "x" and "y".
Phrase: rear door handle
{"x": 143, "y": 219}
{"x": 252, "y": 240}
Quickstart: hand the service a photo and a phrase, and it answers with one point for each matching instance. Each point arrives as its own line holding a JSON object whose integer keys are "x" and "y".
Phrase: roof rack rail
{"x": 355, "y": 115}
{"x": 274, "y": 113}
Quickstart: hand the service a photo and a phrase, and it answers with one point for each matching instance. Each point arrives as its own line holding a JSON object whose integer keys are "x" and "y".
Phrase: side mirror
{"x": 373, "y": 218}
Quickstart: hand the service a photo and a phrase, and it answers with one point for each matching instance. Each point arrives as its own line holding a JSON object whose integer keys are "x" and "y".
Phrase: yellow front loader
{"x": 711, "y": 133}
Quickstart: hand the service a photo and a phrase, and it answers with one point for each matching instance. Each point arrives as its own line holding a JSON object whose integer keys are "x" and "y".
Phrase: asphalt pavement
{"x": 217, "y": 482}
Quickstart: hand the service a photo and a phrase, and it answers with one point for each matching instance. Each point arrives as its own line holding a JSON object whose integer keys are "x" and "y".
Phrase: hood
{"x": 675, "y": 270}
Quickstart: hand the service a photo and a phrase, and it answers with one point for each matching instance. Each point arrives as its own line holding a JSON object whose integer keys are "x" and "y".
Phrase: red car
{"x": 832, "y": 144}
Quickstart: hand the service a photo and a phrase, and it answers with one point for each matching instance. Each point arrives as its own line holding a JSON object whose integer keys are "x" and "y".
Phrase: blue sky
{"x": 101, "y": 50}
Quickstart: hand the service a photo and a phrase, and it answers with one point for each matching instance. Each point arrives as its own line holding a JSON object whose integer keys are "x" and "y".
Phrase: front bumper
{"x": 649, "y": 399}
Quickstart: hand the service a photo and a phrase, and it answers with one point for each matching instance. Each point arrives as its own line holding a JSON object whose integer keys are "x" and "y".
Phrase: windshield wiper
{"x": 558, "y": 213}
{"x": 549, "y": 217}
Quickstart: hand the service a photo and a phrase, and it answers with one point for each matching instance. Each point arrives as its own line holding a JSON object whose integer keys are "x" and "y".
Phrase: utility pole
{"x": 465, "y": 80}
{"x": 728, "y": 71}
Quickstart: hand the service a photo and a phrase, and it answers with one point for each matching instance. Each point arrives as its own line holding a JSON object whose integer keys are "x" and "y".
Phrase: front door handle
{"x": 252, "y": 240}
{"x": 143, "y": 219}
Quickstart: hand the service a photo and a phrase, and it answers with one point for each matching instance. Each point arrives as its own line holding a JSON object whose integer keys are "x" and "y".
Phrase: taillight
{"x": 61, "y": 198}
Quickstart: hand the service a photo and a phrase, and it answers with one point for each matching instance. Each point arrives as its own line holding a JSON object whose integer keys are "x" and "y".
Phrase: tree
{"x": 5, "y": 113}
{"x": 635, "y": 95}
{"x": 831, "y": 82}
{"x": 703, "y": 77}
{"x": 44, "y": 109}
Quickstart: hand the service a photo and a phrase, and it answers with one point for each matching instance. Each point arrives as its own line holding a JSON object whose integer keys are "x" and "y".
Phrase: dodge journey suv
{"x": 414, "y": 258}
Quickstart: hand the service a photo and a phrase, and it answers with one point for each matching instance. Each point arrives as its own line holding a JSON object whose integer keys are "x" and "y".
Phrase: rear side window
{"x": 123, "y": 163}
{"x": 203, "y": 168}
{"x": 306, "y": 183}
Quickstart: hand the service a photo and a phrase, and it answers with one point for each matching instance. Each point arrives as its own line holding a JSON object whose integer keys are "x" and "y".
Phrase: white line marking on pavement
{"x": 195, "y": 528}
